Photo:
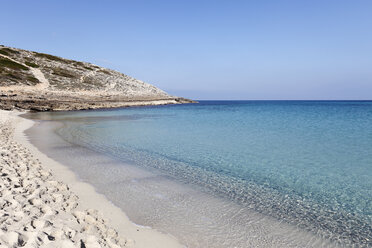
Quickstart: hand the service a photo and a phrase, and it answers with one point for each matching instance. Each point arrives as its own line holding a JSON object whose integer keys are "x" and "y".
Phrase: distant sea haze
{"x": 305, "y": 165}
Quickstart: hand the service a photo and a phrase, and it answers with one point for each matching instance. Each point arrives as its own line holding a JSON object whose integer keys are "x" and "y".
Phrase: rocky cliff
{"x": 42, "y": 82}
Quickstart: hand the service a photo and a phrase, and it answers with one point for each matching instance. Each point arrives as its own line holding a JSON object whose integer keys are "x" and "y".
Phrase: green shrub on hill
{"x": 50, "y": 57}
{"x": 31, "y": 64}
{"x": 63, "y": 73}
{"x": 7, "y": 51}
{"x": 4, "y": 62}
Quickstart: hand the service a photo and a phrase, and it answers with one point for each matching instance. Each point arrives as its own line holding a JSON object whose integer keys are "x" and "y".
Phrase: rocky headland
{"x": 43, "y": 82}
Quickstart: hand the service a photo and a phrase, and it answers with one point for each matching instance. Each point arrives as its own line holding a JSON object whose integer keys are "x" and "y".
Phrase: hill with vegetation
{"x": 42, "y": 82}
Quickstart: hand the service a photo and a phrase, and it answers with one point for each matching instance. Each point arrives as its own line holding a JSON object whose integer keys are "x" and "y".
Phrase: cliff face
{"x": 38, "y": 81}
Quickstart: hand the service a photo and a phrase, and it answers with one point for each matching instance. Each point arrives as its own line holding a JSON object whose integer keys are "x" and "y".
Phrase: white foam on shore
{"x": 132, "y": 235}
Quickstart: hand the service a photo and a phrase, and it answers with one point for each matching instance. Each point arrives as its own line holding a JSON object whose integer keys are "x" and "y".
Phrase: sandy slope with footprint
{"x": 37, "y": 211}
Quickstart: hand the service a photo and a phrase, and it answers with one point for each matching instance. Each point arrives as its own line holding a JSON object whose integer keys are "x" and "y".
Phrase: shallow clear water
{"x": 305, "y": 163}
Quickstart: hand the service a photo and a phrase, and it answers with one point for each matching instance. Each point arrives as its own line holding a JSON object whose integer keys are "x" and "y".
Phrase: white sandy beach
{"x": 44, "y": 205}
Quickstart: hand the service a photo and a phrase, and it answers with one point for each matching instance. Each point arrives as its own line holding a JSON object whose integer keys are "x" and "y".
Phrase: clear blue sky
{"x": 209, "y": 49}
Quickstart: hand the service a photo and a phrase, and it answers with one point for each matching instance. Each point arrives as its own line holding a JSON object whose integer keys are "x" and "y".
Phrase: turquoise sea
{"x": 227, "y": 173}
